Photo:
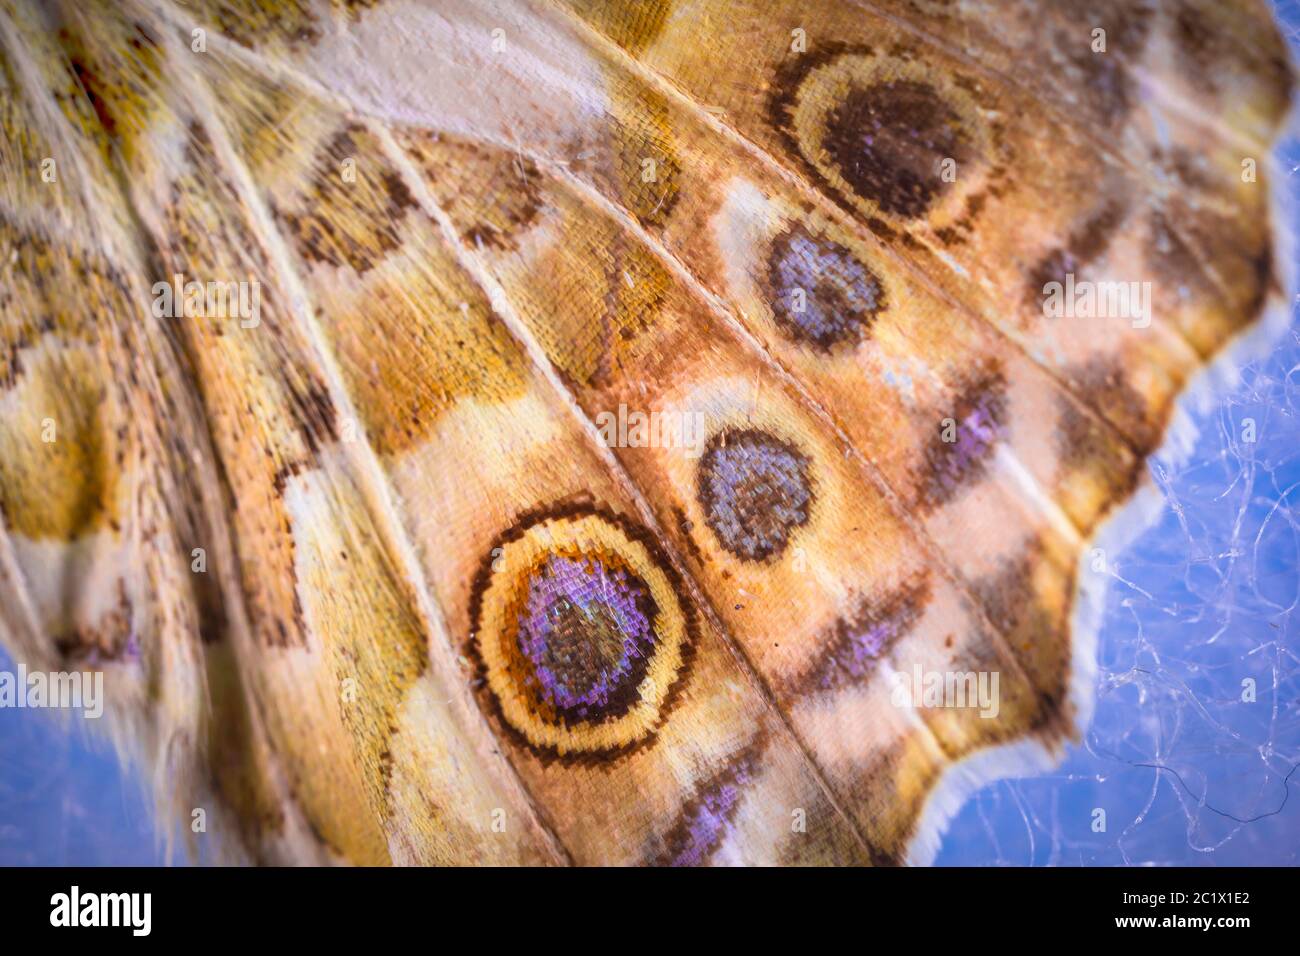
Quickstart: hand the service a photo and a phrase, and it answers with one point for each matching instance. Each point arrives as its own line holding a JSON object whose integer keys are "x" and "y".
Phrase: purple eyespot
{"x": 586, "y": 630}
{"x": 822, "y": 296}
{"x": 755, "y": 491}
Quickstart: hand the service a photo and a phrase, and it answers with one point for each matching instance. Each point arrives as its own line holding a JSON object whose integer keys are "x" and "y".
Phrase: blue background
{"x": 1207, "y": 596}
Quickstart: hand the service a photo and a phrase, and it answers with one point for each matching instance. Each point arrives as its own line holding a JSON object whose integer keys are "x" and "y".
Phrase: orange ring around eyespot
{"x": 614, "y": 544}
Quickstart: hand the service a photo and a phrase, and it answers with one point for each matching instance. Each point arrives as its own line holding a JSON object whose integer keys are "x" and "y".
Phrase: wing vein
{"x": 502, "y": 303}
{"x": 377, "y": 489}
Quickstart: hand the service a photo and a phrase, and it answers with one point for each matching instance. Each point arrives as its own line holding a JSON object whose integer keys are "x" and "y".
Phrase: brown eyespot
{"x": 880, "y": 134}
{"x": 889, "y": 141}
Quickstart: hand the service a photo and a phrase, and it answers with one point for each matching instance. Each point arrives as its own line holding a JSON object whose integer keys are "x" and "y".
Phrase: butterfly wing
{"x": 619, "y": 410}
{"x": 97, "y": 507}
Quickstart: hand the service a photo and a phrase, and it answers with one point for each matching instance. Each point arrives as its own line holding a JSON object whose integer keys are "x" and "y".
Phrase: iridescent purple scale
{"x": 979, "y": 426}
{"x": 587, "y": 630}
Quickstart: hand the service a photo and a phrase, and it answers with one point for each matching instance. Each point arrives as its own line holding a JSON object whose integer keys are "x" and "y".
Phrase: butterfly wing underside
{"x": 604, "y": 402}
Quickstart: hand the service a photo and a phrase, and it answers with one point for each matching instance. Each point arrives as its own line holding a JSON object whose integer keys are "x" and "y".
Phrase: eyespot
{"x": 879, "y": 131}
{"x": 822, "y": 295}
{"x": 755, "y": 491}
{"x": 581, "y": 632}
{"x": 888, "y": 140}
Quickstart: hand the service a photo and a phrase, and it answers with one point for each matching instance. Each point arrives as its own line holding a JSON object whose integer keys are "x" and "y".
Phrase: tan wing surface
{"x": 638, "y": 396}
